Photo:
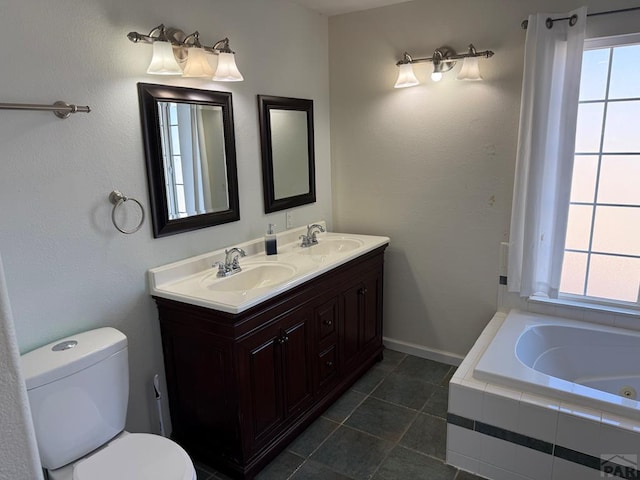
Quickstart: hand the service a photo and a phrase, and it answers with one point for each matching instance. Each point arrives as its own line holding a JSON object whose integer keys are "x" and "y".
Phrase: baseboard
{"x": 423, "y": 352}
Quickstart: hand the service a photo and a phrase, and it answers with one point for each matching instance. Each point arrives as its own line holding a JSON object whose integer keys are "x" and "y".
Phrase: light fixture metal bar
{"x": 177, "y": 38}
{"x": 460, "y": 56}
{"x": 448, "y": 58}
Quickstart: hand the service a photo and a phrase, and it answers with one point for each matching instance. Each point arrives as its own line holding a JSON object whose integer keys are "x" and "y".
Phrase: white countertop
{"x": 194, "y": 281}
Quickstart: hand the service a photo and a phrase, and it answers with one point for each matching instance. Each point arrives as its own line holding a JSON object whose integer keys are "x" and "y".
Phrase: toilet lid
{"x": 137, "y": 456}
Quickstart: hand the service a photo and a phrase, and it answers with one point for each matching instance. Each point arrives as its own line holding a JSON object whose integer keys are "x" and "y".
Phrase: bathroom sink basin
{"x": 252, "y": 277}
{"x": 332, "y": 246}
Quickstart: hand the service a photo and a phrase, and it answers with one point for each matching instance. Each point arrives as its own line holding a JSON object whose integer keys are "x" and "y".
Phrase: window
{"x": 602, "y": 248}
{"x": 170, "y": 137}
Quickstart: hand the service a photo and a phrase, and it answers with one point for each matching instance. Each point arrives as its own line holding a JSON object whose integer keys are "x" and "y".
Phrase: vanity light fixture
{"x": 177, "y": 54}
{"x": 163, "y": 62}
{"x": 443, "y": 59}
{"x": 197, "y": 65}
{"x": 406, "y": 76}
{"x": 227, "y": 71}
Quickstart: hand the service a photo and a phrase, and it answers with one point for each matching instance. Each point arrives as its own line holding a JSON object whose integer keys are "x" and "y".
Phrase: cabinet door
{"x": 295, "y": 343}
{"x": 275, "y": 375}
{"x": 371, "y": 310}
{"x": 362, "y": 316}
{"x": 261, "y": 377}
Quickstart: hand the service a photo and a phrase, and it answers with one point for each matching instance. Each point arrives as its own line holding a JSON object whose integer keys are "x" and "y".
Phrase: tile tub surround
{"x": 389, "y": 426}
{"x": 503, "y": 433}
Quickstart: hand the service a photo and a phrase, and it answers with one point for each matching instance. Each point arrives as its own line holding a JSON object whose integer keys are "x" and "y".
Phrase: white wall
{"x": 432, "y": 166}
{"x": 67, "y": 268}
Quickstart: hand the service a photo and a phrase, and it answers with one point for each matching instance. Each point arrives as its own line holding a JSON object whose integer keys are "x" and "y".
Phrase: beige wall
{"x": 432, "y": 166}
{"x": 67, "y": 268}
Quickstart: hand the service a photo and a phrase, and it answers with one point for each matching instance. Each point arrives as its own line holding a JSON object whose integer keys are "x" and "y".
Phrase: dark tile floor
{"x": 391, "y": 425}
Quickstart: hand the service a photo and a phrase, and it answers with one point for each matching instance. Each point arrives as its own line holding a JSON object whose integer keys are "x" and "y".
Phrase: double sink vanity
{"x": 255, "y": 346}
{"x": 253, "y": 356}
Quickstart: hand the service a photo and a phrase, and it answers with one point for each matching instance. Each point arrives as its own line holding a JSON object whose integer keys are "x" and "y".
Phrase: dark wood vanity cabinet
{"x": 242, "y": 386}
{"x": 274, "y": 367}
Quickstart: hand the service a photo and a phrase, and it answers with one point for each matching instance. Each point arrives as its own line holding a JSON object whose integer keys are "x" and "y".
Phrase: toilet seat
{"x": 137, "y": 456}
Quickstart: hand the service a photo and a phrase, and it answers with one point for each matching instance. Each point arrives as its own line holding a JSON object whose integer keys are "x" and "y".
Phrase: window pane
{"x": 617, "y": 230}
{"x": 593, "y": 82}
{"x": 175, "y": 140}
{"x": 583, "y": 184}
{"x": 589, "y": 128}
{"x": 182, "y": 206}
{"x": 579, "y": 227}
{"x": 177, "y": 170}
{"x": 173, "y": 114}
{"x": 621, "y": 132}
{"x": 619, "y": 179}
{"x": 574, "y": 270}
{"x": 625, "y": 74}
{"x": 617, "y": 278}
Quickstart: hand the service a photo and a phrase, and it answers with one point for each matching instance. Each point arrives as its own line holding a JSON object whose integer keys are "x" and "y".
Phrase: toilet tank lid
{"x": 69, "y": 355}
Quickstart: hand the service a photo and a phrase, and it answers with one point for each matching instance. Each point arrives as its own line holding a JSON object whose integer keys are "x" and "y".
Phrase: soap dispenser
{"x": 270, "y": 241}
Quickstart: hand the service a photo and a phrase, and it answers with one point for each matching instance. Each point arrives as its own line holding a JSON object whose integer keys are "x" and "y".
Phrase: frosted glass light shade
{"x": 227, "y": 71}
{"x": 470, "y": 69}
{"x": 163, "y": 61}
{"x": 406, "y": 77}
{"x": 197, "y": 64}
{"x": 436, "y": 76}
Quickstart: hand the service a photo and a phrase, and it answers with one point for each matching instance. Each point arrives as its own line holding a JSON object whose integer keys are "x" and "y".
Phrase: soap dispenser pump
{"x": 270, "y": 241}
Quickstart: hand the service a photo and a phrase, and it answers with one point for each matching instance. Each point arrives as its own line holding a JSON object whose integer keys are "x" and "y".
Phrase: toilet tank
{"x": 78, "y": 389}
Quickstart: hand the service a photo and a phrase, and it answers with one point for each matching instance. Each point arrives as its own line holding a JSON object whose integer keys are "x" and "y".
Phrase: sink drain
{"x": 628, "y": 392}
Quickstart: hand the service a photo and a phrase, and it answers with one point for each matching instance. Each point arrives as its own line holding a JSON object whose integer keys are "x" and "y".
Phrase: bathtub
{"x": 547, "y": 398}
{"x": 592, "y": 365}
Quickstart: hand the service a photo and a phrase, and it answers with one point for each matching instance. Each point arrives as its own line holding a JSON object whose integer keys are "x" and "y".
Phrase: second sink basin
{"x": 251, "y": 277}
{"x": 331, "y": 246}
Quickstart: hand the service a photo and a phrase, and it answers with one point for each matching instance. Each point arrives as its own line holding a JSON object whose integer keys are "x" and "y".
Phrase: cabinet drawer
{"x": 326, "y": 318}
{"x": 327, "y": 363}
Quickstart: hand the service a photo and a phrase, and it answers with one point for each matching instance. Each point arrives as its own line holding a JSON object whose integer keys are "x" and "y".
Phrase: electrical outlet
{"x": 289, "y": 220}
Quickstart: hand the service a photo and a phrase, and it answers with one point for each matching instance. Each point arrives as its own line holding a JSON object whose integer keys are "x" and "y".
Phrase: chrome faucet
{"x": 310, "y": 238}
{"x": 231, "y": 263}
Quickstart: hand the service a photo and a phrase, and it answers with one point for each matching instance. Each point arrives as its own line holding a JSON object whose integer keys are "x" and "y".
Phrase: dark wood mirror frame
{"x": 149, "y": 95}
{"x": 265, "y": 105}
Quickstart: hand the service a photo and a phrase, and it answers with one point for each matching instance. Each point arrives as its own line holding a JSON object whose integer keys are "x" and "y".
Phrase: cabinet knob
{"x": 283, "y": 339}
{"x": 362, "y": 291}
{"x": 329, "y": 363}
{"x": 328, "y": 322}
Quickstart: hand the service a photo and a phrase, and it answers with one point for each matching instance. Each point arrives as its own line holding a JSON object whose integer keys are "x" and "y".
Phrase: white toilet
{"x": 78, "y": 389}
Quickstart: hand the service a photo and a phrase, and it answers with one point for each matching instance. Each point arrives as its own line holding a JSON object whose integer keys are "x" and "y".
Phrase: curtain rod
{"x": 574, "y": 18}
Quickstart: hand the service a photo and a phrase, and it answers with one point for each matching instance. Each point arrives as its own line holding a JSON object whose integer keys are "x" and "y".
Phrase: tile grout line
{"x": 343, "y": 423}
{"x": 416, "y": 413}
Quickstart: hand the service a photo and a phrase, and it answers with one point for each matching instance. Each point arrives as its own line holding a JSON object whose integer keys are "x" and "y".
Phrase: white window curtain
{"x": 202, "y": 183}
{"x": 195, "y": 166}
{"x": 544, "y": 162}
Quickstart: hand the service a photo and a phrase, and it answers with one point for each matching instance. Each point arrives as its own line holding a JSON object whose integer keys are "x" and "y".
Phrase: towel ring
{"x": 118, "y": 198}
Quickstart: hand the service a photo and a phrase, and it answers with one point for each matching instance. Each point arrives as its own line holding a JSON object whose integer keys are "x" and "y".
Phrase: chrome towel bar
{"x": 60, "y": 109}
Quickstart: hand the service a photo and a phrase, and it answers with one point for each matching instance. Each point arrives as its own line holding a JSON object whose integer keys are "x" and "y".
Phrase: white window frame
{"x": 574, "y": 299}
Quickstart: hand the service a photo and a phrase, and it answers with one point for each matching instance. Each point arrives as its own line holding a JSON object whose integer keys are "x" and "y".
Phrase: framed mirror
{"x": 288, "y": 165}
{"x": 190, "y": 152}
